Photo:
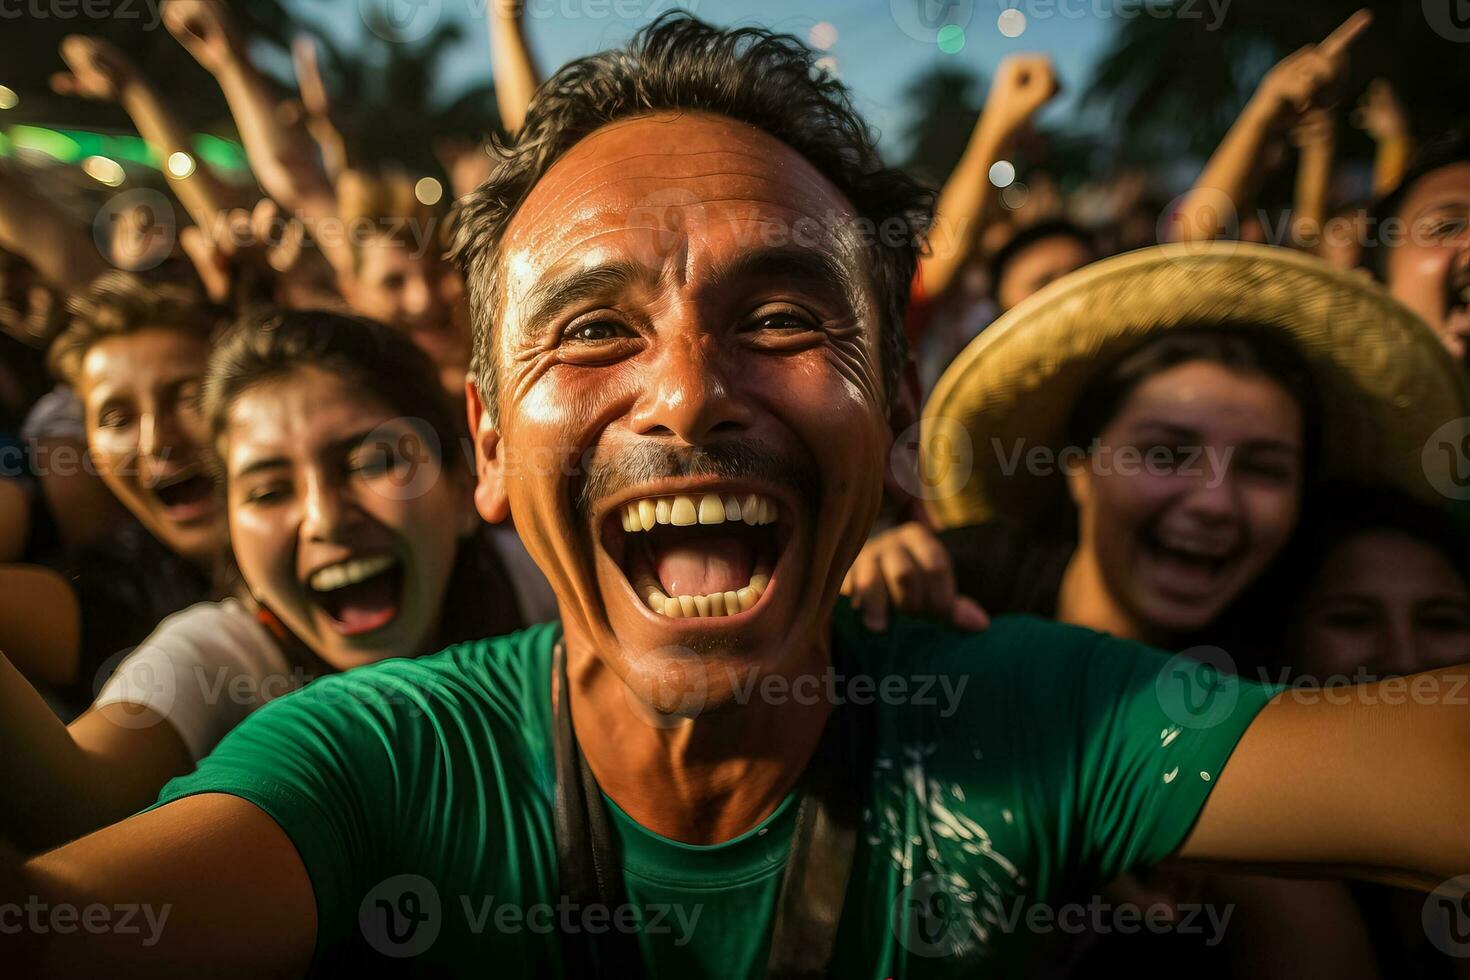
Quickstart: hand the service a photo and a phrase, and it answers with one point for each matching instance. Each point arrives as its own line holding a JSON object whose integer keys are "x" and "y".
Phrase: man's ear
{"x": 1079, "y": 481}
{"x": 490, "y": 496}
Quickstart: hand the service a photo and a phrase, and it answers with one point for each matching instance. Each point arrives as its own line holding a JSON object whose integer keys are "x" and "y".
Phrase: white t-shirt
{"x": 204, "y": 669}
{"x": 208, "y": 666}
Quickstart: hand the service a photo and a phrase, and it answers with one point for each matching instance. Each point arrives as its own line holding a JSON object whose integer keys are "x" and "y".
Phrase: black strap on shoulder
{"x": 809, "y": 908}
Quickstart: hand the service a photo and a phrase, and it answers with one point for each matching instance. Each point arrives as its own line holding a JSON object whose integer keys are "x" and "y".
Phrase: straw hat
{"x": 1386, "y": 382}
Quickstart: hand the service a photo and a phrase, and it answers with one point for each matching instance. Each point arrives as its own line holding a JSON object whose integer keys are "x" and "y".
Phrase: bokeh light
{"x": 822, "y": 35}
{"x": 951, "y": 38}
{"x": 180, "y": 164}
{"x": 8, "y": 98}
{"x": 1012, "y": 22}
{"x": 1002, "y": 173}
{"x": 103, "y": 170}
{"x": 429, "y": 191}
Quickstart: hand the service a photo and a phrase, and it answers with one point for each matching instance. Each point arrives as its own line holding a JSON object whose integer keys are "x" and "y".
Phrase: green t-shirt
{"x": 1010, "y": 768}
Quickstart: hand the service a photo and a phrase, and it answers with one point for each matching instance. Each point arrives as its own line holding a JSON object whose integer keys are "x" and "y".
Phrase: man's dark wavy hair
{"x": 679, "y": 63}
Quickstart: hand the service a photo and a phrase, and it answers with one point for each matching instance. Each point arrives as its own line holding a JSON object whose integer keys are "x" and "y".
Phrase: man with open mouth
{"x": 688, "y": 275}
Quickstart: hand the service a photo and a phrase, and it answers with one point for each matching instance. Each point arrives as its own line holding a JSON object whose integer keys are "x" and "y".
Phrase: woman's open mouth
{"x": 358, "y": 595}
{"x": 186, "y": 497}
{"x": 700, "y": 555}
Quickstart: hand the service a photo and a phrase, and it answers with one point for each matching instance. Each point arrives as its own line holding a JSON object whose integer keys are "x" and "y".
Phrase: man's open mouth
{"x": 186, "y": 496}
{"x": 699, "y": 555}
{"x": 358, "y": 595}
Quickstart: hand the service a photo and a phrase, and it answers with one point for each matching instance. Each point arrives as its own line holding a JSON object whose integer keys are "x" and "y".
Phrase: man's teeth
{"x": 707, "y": 606}
{"x": 349, "y": 573}
{"x": 683, "y": 510}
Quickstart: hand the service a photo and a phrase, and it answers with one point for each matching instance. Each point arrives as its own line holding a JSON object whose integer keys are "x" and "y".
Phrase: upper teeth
{"x": 711, "y": 508}
{"x": 349, "y": 572}
{"x": 1189, "y": 546}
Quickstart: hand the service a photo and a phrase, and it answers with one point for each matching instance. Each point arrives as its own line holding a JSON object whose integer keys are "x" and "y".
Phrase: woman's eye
{"x": 265, "y": 495}
{"x": 113, "y": 418}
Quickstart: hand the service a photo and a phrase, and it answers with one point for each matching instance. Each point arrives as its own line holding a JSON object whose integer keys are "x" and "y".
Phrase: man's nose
{"x": 417, "y": 296}
{"x": 690, "y": 395}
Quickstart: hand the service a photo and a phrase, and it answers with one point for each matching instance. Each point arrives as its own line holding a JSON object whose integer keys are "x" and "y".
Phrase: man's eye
{"x": 1446, "y": 227}
{"x": 781, "y": 321}
{"x": 595, "y": 332}
{"x": 114, "y": 418}
{"x": 269, "y": 494}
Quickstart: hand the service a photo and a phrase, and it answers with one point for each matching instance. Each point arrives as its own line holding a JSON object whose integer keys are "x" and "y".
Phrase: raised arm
{"x": 1380, "y": 115}
{"x": 1316, "y": 144}
{"x": 61, "y": 250}
{"x": 282, "y": 156}
{"x": 1367, "y": 781}
{"x": 1309, "y": 78}
{"x": 515, "y": 74}
{"x": 1023, "y": 84}
{"x": 108, "y": 764}
{"x": 215, "y": 888}
{"x": 100, "y": 71}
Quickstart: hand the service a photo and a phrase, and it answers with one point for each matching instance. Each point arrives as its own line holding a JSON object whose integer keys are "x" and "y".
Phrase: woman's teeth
{"x": 707, "y": 606}
{"x": 349, "y": 572}
{"x": 683, "y": 510}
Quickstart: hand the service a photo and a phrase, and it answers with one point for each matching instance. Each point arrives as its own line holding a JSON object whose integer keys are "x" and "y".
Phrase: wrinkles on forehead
{"x": 676, "y": 195}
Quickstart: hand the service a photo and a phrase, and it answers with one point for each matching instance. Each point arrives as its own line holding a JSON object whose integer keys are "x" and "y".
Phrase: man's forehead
{"x": 670, "y": 170}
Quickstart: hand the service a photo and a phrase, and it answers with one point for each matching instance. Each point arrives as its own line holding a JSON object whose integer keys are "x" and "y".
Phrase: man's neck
{"x": 700, "y": 781}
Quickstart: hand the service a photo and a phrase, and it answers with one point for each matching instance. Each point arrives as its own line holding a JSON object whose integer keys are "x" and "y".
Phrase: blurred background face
{"x": 1429, "y": 271}
{"x": 1178, "y": 539}
{"x": 421, "y": 294}
{"x": 341, "y": 521}
{"x": 140, "y": 392}
{"x": 1039, "y": 264}
{"x": 1384, "y": 602}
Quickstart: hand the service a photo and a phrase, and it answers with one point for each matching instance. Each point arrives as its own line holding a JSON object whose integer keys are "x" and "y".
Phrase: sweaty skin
{"x": 680, "y": 342}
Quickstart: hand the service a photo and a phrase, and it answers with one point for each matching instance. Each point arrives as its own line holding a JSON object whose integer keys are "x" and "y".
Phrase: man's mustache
{"x": 737, "y": 460}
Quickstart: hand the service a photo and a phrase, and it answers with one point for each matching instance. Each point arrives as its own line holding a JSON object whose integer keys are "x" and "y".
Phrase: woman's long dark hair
{"x": 387, "y": 366}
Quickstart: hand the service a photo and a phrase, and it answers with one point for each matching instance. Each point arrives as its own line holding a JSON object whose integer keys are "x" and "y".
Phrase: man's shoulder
{"x": 502, "y": 670}
{"x": 909, "y": 641}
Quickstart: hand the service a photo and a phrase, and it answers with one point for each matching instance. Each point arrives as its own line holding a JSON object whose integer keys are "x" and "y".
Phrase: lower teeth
{"x": 707, "y": 606}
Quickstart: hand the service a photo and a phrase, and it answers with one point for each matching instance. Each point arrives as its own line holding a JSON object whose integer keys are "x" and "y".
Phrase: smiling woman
{"x": 350, "y": 520}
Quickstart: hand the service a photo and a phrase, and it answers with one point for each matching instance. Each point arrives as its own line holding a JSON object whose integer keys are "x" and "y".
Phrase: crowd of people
{"x": 364, "y": 560}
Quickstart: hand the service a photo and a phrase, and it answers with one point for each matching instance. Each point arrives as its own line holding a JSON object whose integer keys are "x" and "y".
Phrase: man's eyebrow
{"x": 555, "y": 293}
{"x": 808, "y": 266}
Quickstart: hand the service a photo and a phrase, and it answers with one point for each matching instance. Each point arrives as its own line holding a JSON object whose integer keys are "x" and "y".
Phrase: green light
{"x": 46, "y": 141}
{"x": 951, "y": 38}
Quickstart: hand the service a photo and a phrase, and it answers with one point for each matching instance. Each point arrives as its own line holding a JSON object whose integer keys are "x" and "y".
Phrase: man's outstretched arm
{"x": 1371, "y": 781}
{"x": 209, "y": 885}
